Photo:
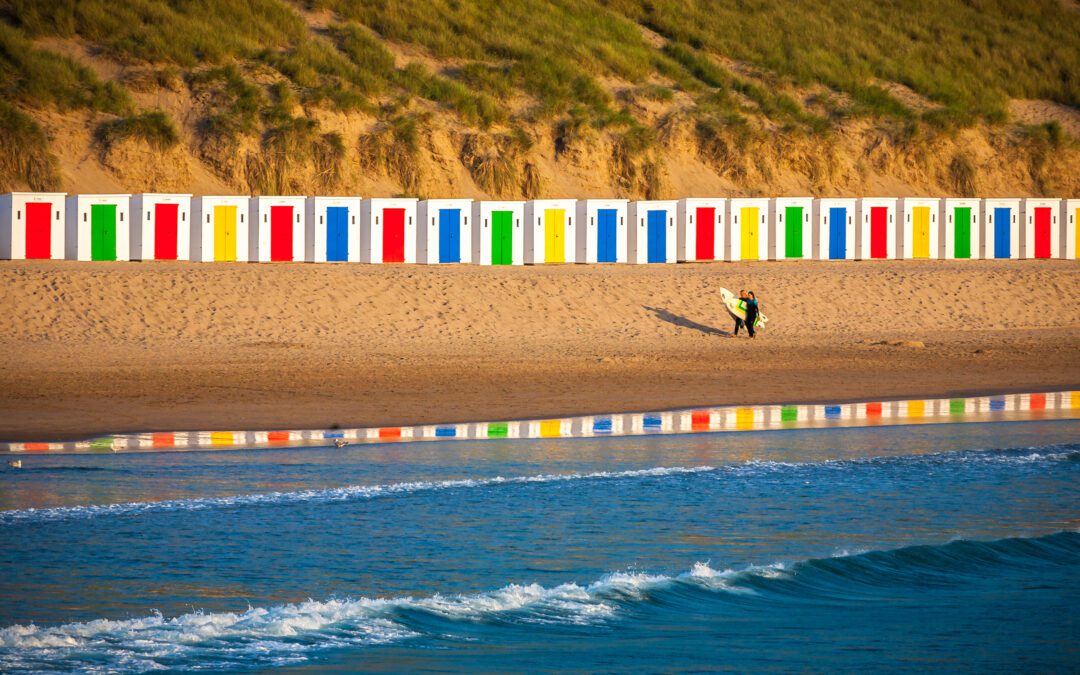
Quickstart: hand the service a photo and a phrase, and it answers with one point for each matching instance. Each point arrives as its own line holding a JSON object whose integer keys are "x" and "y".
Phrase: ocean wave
{"x": 338, "y": 494}
{"x": 1017, "y": 456}
{"x": 294, "y": 633}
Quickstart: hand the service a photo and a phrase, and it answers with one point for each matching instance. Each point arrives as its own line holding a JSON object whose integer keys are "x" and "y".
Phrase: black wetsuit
{"x": 739, "y": 323}
{"x": 751, "y": 315}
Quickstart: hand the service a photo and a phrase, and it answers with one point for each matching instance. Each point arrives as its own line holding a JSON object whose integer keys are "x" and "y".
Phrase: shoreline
{"x": 821, "y": 402}
{"x": 1016, "y": 407}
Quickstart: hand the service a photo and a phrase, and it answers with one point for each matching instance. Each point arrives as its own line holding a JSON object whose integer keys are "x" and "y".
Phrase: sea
{"x": 894, "y": 549}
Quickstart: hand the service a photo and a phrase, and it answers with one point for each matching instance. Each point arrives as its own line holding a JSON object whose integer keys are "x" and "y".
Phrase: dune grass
{"x": 44, "y": 79}
{"x": 969, "y": 56}
{"x": 25, "y": 157}
{"x": 495, "y": 64}
{"x": 153, "y": 127}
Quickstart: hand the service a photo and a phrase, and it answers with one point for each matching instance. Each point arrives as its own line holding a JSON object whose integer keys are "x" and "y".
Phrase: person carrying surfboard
{"x": 751, "y": 312}
{"x": 739, "y": 322}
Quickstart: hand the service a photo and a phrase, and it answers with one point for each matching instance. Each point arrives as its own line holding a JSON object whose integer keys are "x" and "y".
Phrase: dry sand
{"x": 110, "y": 347}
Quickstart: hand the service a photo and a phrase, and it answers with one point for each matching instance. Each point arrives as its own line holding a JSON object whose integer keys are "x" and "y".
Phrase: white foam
{"x": 289, "y": 633}
{"x": 346, "y": 493}
{"x": 361, "y": 492}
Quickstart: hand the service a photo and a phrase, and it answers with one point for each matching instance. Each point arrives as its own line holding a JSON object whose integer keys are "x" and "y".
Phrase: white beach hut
{"x": 793, "y": 228}
{"x": 920, "y": 223}
{"x": 1070, "y": 220}
{"x": 498, "y": 232}
{"x": 601, "y": 230}
{"x": 835, "y": 221}
{"x": 219, "y": 228}
{"x": 876, "y": 231}
{"x": 32, "y": 226}
{"x": 961, "y": 220}
{"x": 551, "y": 232}
{"x": 276, "y": 229}
{"x": 444, "y": 231}
{"x": 1001, "y": 228}
{"x": 388, "y": 230}
{"x": 1041, "y": 227}
{"x": 748, "y": 223}
{"x": 98, "y": 227}
{"x": 652, "y": 236}
{"x": 332, "y": 229}
{"x": 701, "y": 233}
{"x": 160, "y": 226}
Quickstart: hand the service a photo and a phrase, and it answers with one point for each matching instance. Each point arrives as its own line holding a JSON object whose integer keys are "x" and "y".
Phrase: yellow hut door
{"x": 554, "y": 231}
{"x": 920, "y": 232}
{"x": 748, "y": 218}
{"x": 224, "y": 233}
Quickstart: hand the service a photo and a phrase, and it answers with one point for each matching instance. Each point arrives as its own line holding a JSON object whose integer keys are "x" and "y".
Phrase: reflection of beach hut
{"x": 920, "y": 223}
{"x": 444, "y": 232}
{"x": 792, "y": 229}
{"x": 98, "y": 227}
{"x": 332, "y": 229}
{"x": 1001, "y": 229}
{"x": 835, "y": 219}
{"x": 877, "y": 228}
{"x": 219, "y": 231}
{"x": 498, "y": 236}
{"x": 388, "y": 230}
{"x": 1070, "y": 220}
{"x": 747, "y": 221}
{"x": 276, "y": 227}
{"x": 651, "y": 235}
{"x": 32, "y": 226}
{"x": 160, "y": 227}
{"x": 550, "y": 235}
{"x": 601, "y": 230}
{"x": 1041, "y": 228}
{"x": 700, "y": 232}
{"x": 961, "y": 220}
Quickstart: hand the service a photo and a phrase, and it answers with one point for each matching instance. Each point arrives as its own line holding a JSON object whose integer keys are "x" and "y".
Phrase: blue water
{"x": 901, "y": 549}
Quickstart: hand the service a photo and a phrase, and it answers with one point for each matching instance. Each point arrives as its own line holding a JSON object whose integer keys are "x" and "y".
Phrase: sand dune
{"x": 93, "y": 347}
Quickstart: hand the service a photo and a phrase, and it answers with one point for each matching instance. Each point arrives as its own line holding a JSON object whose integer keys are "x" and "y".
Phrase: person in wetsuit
{"x": 751, "y": 312}
{"x": 739, "y": 322}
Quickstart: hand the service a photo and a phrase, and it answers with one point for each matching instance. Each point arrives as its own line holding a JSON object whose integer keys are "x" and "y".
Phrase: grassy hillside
{"x": 276, "y": 96}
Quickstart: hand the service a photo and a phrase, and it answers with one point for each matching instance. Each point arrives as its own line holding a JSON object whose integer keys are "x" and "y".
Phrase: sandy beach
{"x": 102, "y": 347}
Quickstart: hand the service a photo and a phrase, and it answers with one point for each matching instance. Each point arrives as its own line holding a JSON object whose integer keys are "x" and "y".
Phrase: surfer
{"x": 751, "y": 312}
{"x": 739, "y": 322}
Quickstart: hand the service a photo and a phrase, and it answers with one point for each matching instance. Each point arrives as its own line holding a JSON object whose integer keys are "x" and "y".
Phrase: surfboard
{"x": 736, "y": 307}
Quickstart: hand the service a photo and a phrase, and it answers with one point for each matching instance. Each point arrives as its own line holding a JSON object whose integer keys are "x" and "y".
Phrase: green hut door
{"x": 103, "y": 232}
{"x": 502, "y": 238}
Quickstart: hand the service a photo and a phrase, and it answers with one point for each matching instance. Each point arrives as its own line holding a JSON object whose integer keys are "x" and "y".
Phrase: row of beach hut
{"x": 351, "y": 229}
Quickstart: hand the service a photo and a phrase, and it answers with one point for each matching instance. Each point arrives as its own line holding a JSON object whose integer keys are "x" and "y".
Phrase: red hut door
{"x": 1042, "y": 232}
{"x": 393, "y": 235}
{"x": 165, "y": 217}
{"x": 281, "y": 233}
{"x": 39, "y": 231}
{"x": 879, "y": 232}
{"x": 706, "y": 239}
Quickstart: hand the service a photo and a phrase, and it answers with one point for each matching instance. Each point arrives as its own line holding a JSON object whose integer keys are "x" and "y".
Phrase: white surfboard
{"x": 736, "y": 307}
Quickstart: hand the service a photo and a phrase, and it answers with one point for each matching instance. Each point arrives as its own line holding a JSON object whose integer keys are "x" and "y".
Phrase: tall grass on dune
{"x": 25, "y": 158}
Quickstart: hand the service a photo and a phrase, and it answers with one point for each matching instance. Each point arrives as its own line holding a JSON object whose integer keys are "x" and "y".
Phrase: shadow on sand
{"x": 683, "y": 322}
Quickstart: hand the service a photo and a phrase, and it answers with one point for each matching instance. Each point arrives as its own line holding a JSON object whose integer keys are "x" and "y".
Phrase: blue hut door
{"x": 449, "y": 235}
{"x": 606, "y": 235}
{"x": 337, "y": 233}
{"x": 657, "y": 236}
{"x": 837, "y": 233}
{"x": 1002, "y": 221}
